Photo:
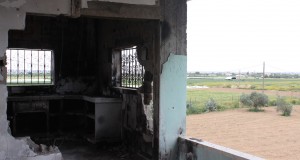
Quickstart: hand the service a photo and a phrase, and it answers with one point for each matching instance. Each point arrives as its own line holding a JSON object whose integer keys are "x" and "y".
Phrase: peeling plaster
{"x": 12, "y": 3}
{"x": 172, "y": 118}
{"x": 139, "y": 2}
{"x": 53, "y": 7}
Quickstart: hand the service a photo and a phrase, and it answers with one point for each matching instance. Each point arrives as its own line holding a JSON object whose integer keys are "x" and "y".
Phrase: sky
{"x": 239, "y": 35}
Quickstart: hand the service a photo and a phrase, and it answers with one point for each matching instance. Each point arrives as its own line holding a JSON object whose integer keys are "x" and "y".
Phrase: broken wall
{"x": 83, "y": 59}
{"x": 12, "y": 16}
{"x": 166, "y": 36}
{"x": 10, "y": 148}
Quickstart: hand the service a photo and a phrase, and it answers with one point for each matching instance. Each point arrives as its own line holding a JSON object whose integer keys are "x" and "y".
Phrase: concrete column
{"x": 172, "y": 81}
{"x": 172, "y": 104}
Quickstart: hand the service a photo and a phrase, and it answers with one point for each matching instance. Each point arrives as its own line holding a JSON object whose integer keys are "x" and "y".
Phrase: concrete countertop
{"x": 91, "y": 99}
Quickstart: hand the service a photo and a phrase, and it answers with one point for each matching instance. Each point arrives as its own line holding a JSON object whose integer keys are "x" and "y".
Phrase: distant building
{"x": 230, "y": 78}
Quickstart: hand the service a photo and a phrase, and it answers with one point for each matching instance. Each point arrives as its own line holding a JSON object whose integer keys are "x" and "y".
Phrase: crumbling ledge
{"x": 194, "y": 149}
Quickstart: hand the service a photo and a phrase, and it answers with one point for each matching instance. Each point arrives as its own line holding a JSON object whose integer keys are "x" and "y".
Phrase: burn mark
{"x": 2, "y": 69}
{"x": 166, "y": 30}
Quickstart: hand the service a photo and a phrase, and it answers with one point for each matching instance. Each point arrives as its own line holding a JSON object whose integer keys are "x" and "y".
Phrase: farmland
{"x": 265, "y": 134}
{"x": 279, "y": 84}
{"x": 226, "y": 93}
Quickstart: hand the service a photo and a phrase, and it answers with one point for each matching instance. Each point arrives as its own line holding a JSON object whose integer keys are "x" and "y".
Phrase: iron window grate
{"x": 132, "y": 71}
{"x": 29, "y": 67}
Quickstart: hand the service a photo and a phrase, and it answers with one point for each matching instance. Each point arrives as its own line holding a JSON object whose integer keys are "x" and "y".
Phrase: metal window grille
{"x": 132, "y": 70}
{"x": 29, "y": 67}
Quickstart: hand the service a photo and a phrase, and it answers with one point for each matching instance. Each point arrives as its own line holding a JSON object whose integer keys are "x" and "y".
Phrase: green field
{"x": 197, "y": 98}
{"x": 251, "y": 83}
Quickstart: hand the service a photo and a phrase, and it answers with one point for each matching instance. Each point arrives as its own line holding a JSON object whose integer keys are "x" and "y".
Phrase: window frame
{"x": 38, "y": 83}
{"x": 137, "y": 76}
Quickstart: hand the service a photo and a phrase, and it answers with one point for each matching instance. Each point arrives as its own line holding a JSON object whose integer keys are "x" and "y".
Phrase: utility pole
{"x": 239, "y": 78}
{"x": 263, "y": 85}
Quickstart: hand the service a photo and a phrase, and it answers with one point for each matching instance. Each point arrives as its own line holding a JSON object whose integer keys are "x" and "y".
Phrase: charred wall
{"x": 138, "y": 103}
{"x": 83, "y": 64}
{"x": 73, "y": 42}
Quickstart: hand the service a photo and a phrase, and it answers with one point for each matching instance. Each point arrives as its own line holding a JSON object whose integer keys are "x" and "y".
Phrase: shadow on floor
{"x": 83, "y": 150}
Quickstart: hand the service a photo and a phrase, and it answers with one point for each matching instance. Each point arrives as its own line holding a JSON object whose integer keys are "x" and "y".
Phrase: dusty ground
{"x": 265, "y": 134}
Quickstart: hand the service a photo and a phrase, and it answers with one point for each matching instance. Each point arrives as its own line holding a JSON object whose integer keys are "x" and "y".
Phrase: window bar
{"x": 24, "y": 65}
{"x": 129, "y": 61}
{"x": 44, "y": 68}
{"x": 132, "y": 68}
{"x": 17, "y": 66}
{"x": 31, "y": 72}
{"x": 122, "y": 72}
{"x": 127, "y": 68}
{"x": 136, "y": 67}
{"x": 10, "y": 66}
{"x": 124, "y": 68}
{"x": 51, "y": 68}
{"x": 38, "y": 67}
{"x": 128, "y": 71}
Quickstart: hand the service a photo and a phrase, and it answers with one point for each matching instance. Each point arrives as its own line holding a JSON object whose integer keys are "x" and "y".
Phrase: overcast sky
{"x": 233, "y": 35}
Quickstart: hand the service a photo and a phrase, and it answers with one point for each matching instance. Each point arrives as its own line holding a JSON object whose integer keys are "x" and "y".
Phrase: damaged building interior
{"x": 96, "y": 79}
{"x": 92, "y": 68}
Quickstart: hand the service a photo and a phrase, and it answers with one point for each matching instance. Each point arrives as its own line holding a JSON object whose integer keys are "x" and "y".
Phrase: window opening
{"x": 29, "y": 67}
{"x": 132, "y": 71}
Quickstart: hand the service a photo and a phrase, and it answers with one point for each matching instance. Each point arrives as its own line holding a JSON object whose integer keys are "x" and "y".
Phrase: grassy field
{"x": 255, "y": 84}
{"x": 197, "y": 98}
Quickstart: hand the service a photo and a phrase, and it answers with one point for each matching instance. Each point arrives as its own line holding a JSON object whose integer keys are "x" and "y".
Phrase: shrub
{"x": 211, "y": 105}
{"x": 252, "y": 87}
{"x": 284, "y": 107}
{"x": 221, "y": 107}
{"x": 294, "y": 101}
{"x": 228, "y": 86}
{"x": 255, "y": 100}
{"x": 245, "y": 100}
{"x": 272, "y": 102}
{"x": 236, "y": 104}
{"x": 194, "y": 110}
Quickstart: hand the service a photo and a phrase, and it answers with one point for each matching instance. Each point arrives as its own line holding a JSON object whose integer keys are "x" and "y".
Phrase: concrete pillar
{"x": 172, "y": 81}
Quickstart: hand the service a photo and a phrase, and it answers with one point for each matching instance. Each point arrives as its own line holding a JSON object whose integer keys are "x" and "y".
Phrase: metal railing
{"x": 132, "y": 71}
{"x": 29, "y": 67}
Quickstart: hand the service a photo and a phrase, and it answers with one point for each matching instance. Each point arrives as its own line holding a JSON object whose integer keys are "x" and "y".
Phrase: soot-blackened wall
{"x": 83, "y": 64}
